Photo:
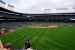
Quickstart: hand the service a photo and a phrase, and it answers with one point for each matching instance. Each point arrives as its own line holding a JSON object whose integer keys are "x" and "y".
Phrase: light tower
{"x": 62, "y": 10}
{"x": 2, "y": 4}
{"x": 7, "y": 6}
{"x": 10, "y": 7}
{"x": 47, "y": 11}
{"x": 73, "y": 9}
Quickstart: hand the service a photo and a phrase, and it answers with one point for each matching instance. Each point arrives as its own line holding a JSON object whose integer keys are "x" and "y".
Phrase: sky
{"x": 42, "y": 6}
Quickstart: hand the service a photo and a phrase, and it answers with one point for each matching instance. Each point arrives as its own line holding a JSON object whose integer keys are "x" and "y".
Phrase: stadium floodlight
{"x": 62, "y": 9}
{"x": 11, "y": 6}
{"x": 46, "y": 10}
{"x": 73, "y": 9}
{"x": 2, "y": 2}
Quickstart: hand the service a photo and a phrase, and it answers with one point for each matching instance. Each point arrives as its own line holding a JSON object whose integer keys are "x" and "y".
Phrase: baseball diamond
{"x": 36, "y": 31}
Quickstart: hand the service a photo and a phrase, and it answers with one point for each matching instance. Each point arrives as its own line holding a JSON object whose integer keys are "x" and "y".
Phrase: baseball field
{"x": 58, "y": 38}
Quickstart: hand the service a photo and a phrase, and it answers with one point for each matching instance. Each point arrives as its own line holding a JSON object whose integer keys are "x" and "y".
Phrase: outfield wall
{"x": 13, "y": 25}
{"x": 49, "y": 23}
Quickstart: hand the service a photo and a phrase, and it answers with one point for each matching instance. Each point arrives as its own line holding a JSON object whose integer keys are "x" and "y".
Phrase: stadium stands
{"x": 11, "y": 19}
{"x": 53, "y": 17}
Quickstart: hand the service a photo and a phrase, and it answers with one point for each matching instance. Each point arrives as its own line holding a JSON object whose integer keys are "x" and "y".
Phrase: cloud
{"x": 38, "y": 6}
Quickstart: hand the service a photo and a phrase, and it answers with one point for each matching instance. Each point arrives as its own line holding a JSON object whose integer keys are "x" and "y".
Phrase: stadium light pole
{"x": 58, "y": 10}
{"x": 73, "y": 9}
{"x": 47, "y": 11}
{"x": 62, "y": 9}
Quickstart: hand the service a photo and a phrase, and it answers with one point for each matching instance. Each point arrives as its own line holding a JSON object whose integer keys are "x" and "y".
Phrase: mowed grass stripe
{"x": 23, "y": 37}
{"x": 36, "y": 39}
{"x": 60, "y": 38}
{"x": 29, "y": 35}
{"x": 37, "y": 36}
{"x": 51, "y": 39}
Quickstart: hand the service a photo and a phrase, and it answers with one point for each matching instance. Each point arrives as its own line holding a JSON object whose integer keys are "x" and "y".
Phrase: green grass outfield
{"x": 60, "y": 38}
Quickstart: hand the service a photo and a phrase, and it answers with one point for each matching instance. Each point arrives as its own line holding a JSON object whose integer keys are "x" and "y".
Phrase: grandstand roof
{"x": 17, "y": 13}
